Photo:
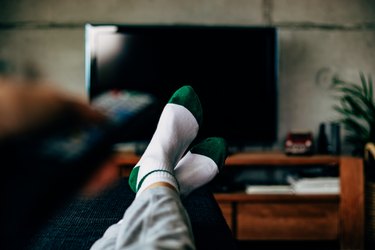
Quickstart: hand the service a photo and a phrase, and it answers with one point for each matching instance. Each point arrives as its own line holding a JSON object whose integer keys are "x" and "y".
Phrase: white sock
{"x": 194, "y": 171}
{"x": 177, "y": 127}
{"x": 201, "y": 164}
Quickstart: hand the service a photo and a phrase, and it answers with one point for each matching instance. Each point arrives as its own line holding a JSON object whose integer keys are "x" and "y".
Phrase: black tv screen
{"x": 232, "y": 69}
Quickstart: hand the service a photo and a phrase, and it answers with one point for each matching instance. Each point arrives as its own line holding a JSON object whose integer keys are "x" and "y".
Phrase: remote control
{"x": 120, "y": 106}
{"x": 123, "y": 110}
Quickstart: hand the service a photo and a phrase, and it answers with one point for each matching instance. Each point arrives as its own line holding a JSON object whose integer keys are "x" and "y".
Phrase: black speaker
{"x": 335, "y": 140}
{"x": 322, "y": 142}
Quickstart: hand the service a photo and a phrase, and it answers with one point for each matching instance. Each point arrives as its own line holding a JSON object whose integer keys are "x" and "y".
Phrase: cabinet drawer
{"x": 287, "y": 221}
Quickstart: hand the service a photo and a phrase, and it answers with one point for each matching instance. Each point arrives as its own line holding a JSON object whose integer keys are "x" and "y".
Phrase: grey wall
{"x": 318, "y": 38}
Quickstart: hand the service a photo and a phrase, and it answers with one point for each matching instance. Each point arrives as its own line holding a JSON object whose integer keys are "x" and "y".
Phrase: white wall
{"x": 318, "y": 38}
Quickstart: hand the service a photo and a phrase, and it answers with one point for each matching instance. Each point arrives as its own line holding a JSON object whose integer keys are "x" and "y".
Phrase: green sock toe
{"x": 213, "y": 147}
{"x": 186, "y": 96}
{"x": 133, "y": 178}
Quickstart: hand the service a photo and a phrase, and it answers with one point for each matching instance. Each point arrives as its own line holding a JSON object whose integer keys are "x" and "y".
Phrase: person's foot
{"x": 177, "y": 128}
{"x": 201, "y": 164}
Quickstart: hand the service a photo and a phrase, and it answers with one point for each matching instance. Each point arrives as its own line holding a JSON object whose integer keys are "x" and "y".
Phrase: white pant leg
{"x": 155, "y": 220}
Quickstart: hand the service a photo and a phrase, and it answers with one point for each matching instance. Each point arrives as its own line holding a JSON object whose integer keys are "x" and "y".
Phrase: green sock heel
{"x": 215, "y": 148}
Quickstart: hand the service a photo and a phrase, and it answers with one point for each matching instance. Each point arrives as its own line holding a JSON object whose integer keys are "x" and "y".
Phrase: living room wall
{"x": 318, "y": 39}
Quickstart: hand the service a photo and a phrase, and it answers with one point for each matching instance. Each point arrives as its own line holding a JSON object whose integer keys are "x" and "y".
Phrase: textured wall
{"x": 318, "y": 38}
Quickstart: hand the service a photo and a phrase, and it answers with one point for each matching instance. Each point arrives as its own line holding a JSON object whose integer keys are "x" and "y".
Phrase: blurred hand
{"x": 29, "y": 106}
{"x": 37, "y": 107}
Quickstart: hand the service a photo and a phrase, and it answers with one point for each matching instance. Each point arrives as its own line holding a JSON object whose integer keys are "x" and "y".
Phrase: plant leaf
{"x": 357, "y": 110}
{"x": 371, "y": 93}
{"x": 354, "y": 126}
{"x": 350, "y": 89}
{"x": 342, "y": 110}
{"x": 357, "y": 106}
{"x": 364, "y": 84}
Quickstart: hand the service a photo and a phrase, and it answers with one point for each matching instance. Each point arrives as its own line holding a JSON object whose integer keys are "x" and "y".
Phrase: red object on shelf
{"x": 299, "y": 143}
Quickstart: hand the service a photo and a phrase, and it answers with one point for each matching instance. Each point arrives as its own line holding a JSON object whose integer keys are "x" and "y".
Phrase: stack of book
{"x": 269, "y": 189}
{"x": 318, "y": 185}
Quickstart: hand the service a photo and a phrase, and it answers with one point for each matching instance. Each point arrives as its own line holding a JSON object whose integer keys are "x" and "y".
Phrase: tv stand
{"x": 320, "y": 217}
{"x": 299, "y": 216}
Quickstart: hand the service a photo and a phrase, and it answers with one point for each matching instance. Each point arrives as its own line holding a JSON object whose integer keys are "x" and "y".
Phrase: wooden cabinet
{"x": 282, "y": 217}
{"x": 299, "y": 216}
{"x": 291, "y": 216}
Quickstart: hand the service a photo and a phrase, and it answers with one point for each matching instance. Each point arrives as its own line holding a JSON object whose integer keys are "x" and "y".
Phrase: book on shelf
{"x": 317, "y": 185}
{"x": 269, "y": 189}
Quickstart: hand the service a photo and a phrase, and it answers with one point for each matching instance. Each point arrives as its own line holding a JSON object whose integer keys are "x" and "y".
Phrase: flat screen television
{"x": 232, "y": 69}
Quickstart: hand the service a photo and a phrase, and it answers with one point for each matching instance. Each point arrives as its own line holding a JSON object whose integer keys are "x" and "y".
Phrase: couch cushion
{"x": 82, "y": 221}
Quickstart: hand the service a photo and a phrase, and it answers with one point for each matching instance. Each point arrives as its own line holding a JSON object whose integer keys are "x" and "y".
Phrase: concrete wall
{"x": 318, "y": 38}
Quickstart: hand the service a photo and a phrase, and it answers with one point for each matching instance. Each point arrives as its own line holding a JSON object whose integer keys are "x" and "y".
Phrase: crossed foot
{"x": 164, "y": 159}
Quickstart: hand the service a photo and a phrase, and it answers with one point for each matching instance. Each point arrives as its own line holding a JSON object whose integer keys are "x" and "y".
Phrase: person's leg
{"x": 199, "y": 166}
{"x": 177, "y": 128}
{"x": 157, "y": 218}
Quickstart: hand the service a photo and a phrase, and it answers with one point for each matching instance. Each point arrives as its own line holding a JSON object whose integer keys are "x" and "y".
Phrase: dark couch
{"x": 82, "y": 221}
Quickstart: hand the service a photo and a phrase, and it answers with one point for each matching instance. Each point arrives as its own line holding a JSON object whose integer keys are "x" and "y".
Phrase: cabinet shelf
{"x": 280, "y": 159}
{"x": 261, "y": 159}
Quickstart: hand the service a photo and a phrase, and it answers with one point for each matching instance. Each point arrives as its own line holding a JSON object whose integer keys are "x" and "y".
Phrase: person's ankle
{"x": 161, "y": 184}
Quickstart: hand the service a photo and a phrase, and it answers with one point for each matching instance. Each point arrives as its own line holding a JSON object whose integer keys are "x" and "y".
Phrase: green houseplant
{"x": 356, "y": 108}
